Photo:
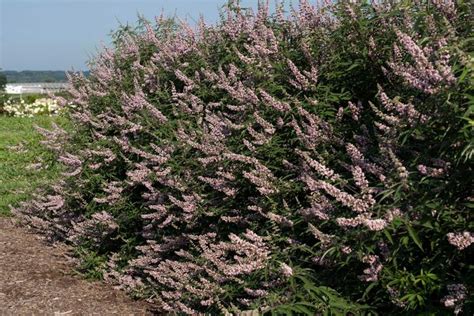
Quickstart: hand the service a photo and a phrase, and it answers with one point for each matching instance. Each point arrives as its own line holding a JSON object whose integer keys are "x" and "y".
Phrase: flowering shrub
{"x": 294, "y": 163}
{"x": 20, "y": 108}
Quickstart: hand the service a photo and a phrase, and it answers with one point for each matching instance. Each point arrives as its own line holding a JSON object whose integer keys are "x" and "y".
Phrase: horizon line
{"x": 3, "y": 70}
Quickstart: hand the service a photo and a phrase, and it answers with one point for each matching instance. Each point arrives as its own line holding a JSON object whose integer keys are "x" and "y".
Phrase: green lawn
{"x": 18, "y": 178}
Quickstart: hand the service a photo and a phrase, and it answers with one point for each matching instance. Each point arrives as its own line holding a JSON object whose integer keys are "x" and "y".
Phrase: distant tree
{"x": 3, "y": 96}
{"x": 3, "y": 82}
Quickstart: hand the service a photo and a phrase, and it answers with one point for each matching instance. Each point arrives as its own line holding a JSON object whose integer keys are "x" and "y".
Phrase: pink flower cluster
{"x": 455, "y": 298}
{"x": 461, "y": 240}
{"x": 423, "y": 74}
{"x": 372, "y": 272}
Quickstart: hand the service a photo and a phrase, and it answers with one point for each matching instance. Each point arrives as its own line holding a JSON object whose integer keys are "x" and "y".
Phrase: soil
{"x": 38, "y": 279}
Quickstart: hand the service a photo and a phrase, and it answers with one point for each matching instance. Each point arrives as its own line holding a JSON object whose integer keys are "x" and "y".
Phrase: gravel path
{"x": 36, "y": 279}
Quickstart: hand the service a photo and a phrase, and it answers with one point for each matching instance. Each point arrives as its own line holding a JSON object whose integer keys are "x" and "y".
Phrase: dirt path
{"x": 36, "y": 279}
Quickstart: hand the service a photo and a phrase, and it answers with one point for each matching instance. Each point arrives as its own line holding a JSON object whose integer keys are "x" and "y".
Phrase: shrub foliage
{"x": 317, "y": 160}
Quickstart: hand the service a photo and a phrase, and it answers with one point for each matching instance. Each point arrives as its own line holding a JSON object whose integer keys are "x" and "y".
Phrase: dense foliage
{"x": 318, "y": 160}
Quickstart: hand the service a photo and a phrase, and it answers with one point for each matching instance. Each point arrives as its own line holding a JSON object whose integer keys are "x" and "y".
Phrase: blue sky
{"x": 63, "y": 34}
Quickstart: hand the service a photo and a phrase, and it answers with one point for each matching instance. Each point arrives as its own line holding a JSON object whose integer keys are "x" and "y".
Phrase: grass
{"x": 18, "y": 180}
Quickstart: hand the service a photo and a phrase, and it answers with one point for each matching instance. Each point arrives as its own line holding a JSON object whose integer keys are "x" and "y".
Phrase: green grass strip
{"x": 18, "y": 177}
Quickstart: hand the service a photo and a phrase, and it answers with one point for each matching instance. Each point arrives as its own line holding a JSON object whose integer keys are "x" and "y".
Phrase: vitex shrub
{"x": 316, "y": 160}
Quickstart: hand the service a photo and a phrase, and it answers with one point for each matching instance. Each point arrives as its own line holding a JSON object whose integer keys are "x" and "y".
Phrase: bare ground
{"x": 38, "y": 279}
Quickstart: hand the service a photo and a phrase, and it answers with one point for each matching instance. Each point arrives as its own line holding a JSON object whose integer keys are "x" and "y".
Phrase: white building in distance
{"x": 36, "y": 87}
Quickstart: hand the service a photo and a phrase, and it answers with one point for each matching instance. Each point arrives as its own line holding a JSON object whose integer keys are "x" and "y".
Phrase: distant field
{"x": 19, "y": 151}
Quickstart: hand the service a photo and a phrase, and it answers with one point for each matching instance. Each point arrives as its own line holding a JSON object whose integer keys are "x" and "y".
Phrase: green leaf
{"x": 303, "y": 310}
{"x": 367, "y": 290}
{"x": 354, "y": 65}
{"x": 463, "y": 75}
{"x": 389, "y": 237}
{"x": 414, "y": 236}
